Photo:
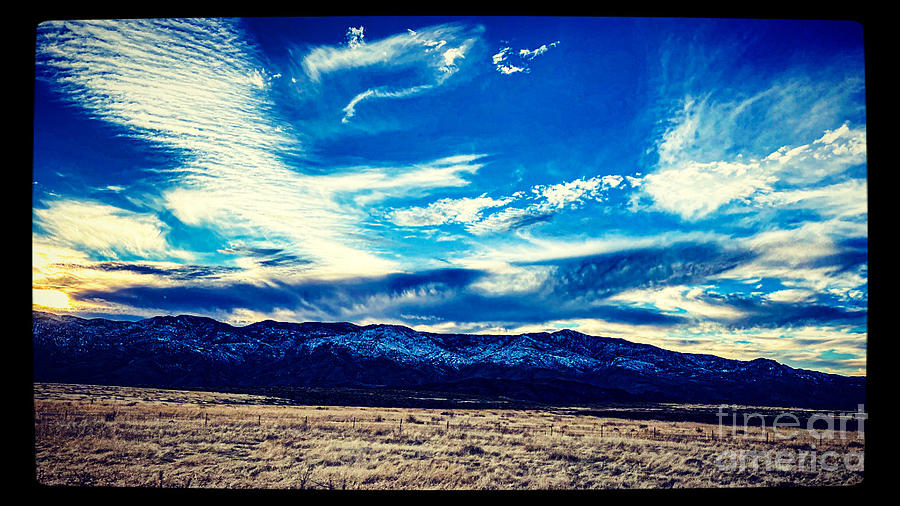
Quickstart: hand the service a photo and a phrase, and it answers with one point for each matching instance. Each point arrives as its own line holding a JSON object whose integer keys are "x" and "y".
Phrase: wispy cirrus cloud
{"x": 695, "y": 189}
{"x": 727, "y": 147}
{"x": 381, "y": 92}
{"x": 847, "y": 199}
{"x": 432, "y": 50}
{"x": 200, "y": 89}
{"x": 806, "y": 203}
{"x": 813, "y": 255}
{"x": 315, "y": 217}
{"x": 108, "y": 230}
{"x": 679, "y": 300}
{"x": 191, "y": 86}
{"x": 416, "y": 61}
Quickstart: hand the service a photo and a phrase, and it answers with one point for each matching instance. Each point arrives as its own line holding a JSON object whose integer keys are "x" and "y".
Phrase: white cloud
{"x": 501, "y": 63}
{"x": 548, "y": 199}
{"x": 397, "y": 50}
{"x": 374, "y": 183}
{"x": 104, "y": 229}
{"x": 532, "y": 54}
{"x": 309, "y": 214}
{"x": 511, "y": 69}
{"x": 72, "y": 271}
{"x": 170, "y": 80}
{"x": 680, "y": 300}
{"x": 634, "y": 181}
{"x": 350, "y": 109}
{"x": 432, "y": 53}
{"x": 793, "y": 256}
{"x": 464, "y": 210}
{"x": 830, "y": 136}
{"x": 713, "y": 153}
{"x": 697, "y": 189}
{"x": 559, "y": 195}
{"x": 681, "y": 135}
{"x": 848, "y": 199}
{"x": 695, "y": 179}
{"x": 355, "y": 37}
{"x": 504, "y": 220}
{"x": 792, "y": 295}
{"x": 844, "y": 146}
{"x": 502, "y": 278}
{"x": 833, "y": 153}
{"x": 694, "y": 190}
{"x": 449, "y": 58}
{"x": 499, "y": 57}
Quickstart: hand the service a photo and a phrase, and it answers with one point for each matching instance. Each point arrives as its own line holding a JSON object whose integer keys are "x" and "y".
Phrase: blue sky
{"x": 699, "y": 185}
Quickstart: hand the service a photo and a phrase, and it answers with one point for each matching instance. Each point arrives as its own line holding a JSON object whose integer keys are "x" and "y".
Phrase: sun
{"x": 50, "y": 298}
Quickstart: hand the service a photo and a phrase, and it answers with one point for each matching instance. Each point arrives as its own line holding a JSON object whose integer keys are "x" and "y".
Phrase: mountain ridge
{"x": 555, "y": 367}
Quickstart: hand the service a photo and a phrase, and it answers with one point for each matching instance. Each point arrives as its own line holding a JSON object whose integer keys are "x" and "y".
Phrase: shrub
{"x": 471, "y": 450}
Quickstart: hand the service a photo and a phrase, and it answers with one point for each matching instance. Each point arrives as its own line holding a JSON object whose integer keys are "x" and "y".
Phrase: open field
{"x": 140, "y": 437}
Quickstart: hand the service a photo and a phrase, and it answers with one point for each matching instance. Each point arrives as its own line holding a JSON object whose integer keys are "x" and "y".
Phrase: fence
{"x": 602, "y": 429}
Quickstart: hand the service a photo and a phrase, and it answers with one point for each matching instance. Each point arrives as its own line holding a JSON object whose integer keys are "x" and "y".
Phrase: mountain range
{"x": 555, "y": 368}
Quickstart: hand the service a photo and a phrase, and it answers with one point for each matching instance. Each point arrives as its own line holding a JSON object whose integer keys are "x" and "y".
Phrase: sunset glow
{"x": 50, "y": 298}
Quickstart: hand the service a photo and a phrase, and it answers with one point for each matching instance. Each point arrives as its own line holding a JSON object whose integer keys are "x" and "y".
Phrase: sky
{"x": 695, "y": 184}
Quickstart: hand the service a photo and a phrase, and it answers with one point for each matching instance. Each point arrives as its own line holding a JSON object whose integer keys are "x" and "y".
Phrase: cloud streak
{"x": 431, "y": 54}
{"x": 548, "y": 200}
{"x": 694, "y": 190}
{"x": 110, "y": 231}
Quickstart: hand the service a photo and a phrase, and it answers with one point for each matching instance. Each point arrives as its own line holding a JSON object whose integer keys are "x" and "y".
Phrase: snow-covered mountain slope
{"x": 563, "y": 366}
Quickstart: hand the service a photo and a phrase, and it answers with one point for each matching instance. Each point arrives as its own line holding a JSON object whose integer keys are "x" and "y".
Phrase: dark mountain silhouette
{"x": 553, "y": 368}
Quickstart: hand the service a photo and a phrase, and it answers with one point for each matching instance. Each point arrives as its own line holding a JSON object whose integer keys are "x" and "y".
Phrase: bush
{"x": 471, "y": 450}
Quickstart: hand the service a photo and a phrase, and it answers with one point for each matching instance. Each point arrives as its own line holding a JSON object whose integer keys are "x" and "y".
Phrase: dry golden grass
{"x": 136, "y": 437}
